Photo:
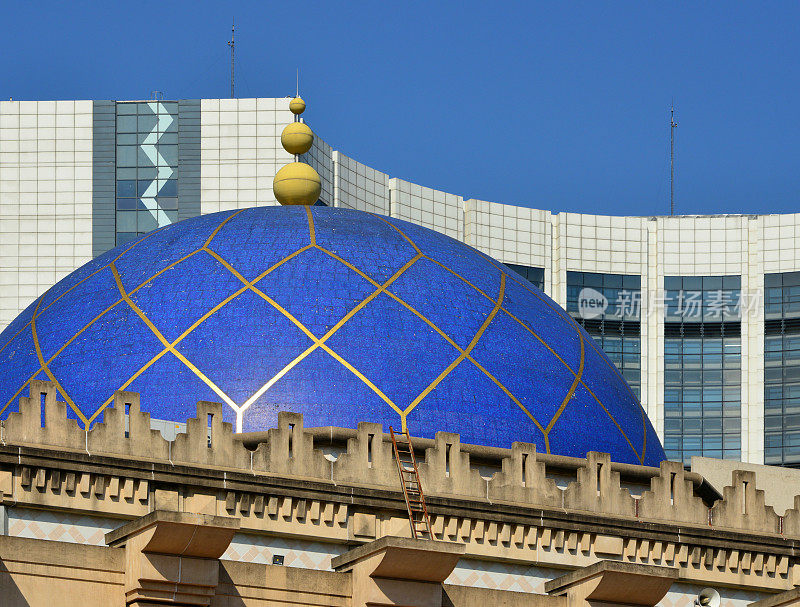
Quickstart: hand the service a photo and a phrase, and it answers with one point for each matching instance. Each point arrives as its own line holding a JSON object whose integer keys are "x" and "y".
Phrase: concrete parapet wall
{"x": 285, "y": 485}
{"x": 446, "y": 470}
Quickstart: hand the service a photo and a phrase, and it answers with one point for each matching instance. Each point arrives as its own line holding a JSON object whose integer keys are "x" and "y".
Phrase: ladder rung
{"x": 412, "y": 488}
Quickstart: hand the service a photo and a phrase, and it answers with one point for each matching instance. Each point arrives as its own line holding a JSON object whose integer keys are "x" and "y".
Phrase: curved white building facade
{"x": 701, "y": 313}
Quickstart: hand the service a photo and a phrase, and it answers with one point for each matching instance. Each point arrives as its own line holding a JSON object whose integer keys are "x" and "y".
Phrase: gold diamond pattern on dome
{"x": 320, "y": 342}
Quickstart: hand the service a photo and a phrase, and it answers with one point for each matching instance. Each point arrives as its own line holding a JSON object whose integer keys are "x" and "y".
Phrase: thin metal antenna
{"x": 297, "y": 94}
{"x": 672, "y": 125}
{"x": 232, "y": 44}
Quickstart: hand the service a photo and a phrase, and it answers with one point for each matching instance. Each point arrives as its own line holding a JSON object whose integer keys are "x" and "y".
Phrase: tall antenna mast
{"x": 232, "y": 44}
{"x": 672, "y": 125}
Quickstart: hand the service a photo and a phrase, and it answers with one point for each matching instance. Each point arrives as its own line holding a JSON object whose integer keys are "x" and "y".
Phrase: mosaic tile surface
{"x": 683, "y": 595}
{"x": 341, "y": 315}
{"x": 501, "y": 576}
{"x": 60, "y": 526}
{"x": 296, "y": 553}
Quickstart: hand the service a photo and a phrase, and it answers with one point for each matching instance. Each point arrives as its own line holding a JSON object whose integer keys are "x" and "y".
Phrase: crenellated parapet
{"x": 598, "y": 489}
{"x": 523, "y": 478}
{"x": 342, "y": 485}
{"x": 671, "y": 498}
{"x": 742, "y": 506}
{"x": 447, "y": 470}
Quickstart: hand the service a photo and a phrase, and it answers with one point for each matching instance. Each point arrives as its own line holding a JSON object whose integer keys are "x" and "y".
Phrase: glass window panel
{"x": 732, "y": 425}
{"x": 147, "y": 123}
{"x": 169, "y": 153}
{"x": 731, "y": 282}
{"x": 142, "y": 158}
{"x": 126, "y": 108}
{"x": 731, "y": 376}
{"x": 673, "y": 442}
{"x": 126, "y": 155}
{"x": 693, "y": 377}
{"x": 126, "y": 139}
{"x": 168, "y": 188}
{"x": 145, "y": 189}
{"x": 162, "y": 219}
{"x": 791, "y": 422}
{"x": 692, "y": 442}
{"x": 149, "y": 173}
{"x": 126, "y": 124}
{"x": 692, "y": 345}
{"x": 126, "y": 204}
{"x": 170, "y": 138}
{"x": 731, "y": 393}
{"x": 168, "y": 204}
{"x": 713, "y": 442}
{"x": 147, "y": 222}
{"x": 791, "y": 342}
{"x": 126, "y": 237}
{"x": 692, "y": 283}
{"x": 126, "y": 188}
{"x": 632, "y": 282}
{"x": 126, "y": 173}
{"x": 593, "y": 280}
{"x": 126, "y": 221}
{"x": 791, "y": 391}
{"x": 692, "y": 395}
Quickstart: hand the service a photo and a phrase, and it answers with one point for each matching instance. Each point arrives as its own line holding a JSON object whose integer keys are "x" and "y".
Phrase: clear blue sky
{"x": 563, "y": 106}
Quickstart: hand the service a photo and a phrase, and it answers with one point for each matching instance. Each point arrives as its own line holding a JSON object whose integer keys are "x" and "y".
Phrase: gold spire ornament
{"x": 297, "y": 138}
{"x": 297, "y": 182}
{"x": 297, "y": 106}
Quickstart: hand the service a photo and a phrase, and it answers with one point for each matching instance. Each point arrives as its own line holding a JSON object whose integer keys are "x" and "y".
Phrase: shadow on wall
{"x": 226, "y": 587}
{"x": 12, "y": 596}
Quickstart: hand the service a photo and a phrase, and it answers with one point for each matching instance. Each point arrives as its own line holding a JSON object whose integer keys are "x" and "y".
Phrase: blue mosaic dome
{"x": 340, "y": 315}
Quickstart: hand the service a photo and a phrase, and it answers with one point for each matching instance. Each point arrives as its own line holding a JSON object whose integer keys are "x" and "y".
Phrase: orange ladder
{"x": 412, "y": 488}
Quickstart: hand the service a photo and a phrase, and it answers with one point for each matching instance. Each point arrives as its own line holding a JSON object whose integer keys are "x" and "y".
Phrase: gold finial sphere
{"x": 297, "y": 106}
{"x": 297, "y": 183}
{"x": 297, "y": 138}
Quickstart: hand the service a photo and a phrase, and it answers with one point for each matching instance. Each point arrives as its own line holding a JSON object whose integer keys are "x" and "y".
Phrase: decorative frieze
{"x": 287, "y": 486}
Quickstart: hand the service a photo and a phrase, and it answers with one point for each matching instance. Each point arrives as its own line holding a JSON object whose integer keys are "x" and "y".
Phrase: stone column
{"x": 394, "y": 571}
{"x": 613, "y": 583}
{"x": 172, "y": 558}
